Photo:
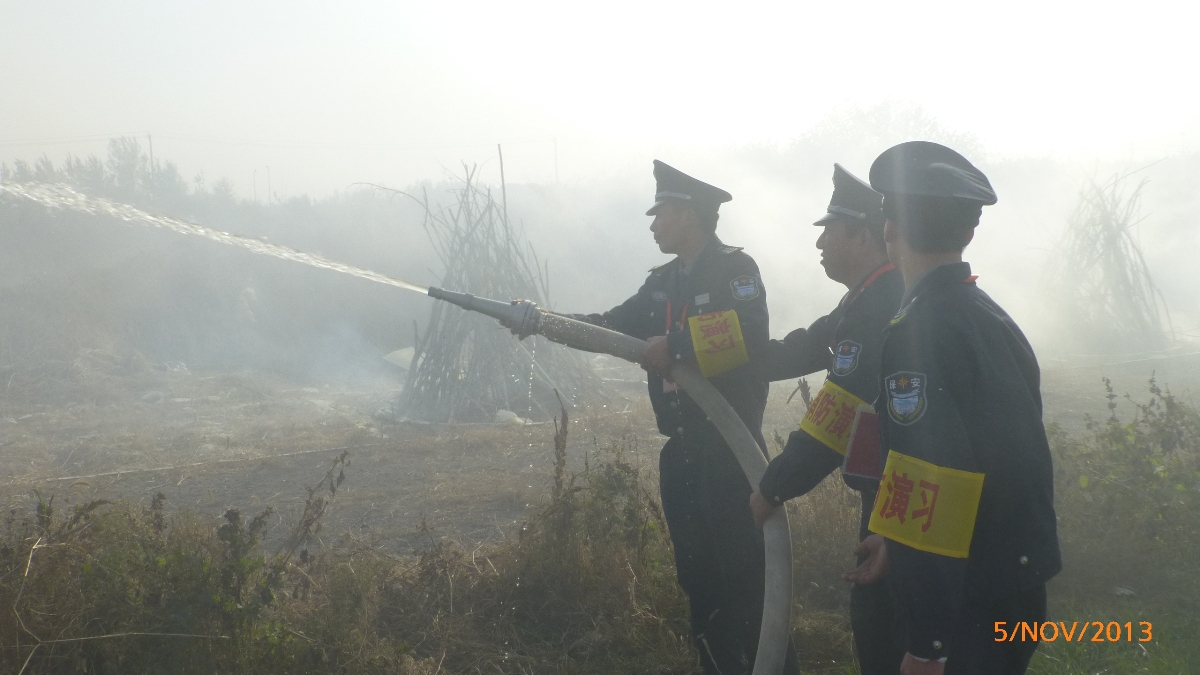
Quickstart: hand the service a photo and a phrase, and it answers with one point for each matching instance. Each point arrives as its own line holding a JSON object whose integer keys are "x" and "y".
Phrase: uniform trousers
{"x": 872, "y": 617}
{"x": 975, "y": 650}
{"x": 877, "y": 641}
{"x": 718, "y": 549}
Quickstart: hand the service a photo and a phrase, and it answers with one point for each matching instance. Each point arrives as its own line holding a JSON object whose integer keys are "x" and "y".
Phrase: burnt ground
{"x": 109, "y": 427}
{"x": 214, "y": 441}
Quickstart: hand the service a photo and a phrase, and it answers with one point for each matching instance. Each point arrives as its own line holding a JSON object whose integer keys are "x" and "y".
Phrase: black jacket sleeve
{"x": 801, "y": 352}
{"x": 802, "y": 465}
{"x": 857, "y": 327}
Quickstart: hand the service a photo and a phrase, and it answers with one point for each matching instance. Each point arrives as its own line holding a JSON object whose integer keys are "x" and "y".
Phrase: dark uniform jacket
{"x": 721, "y": 278}
{"x": 847, "y": 343}
{"x": 967, "y": 497}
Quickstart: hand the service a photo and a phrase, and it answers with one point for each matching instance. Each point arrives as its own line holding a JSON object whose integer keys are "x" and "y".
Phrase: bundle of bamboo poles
{"x": 466, "y": 367}
{"x": 1110, "y": 300}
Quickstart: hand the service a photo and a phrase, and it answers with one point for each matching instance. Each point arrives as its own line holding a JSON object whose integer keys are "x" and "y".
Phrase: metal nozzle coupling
{"x": 520, "y": 316}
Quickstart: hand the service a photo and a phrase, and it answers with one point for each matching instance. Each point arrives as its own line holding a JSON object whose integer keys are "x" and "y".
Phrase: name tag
{"x": 702, "y": 299}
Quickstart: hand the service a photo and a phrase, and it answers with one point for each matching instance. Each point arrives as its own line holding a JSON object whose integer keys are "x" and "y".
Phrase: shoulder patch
{"x": 659, "y": 296}
{"x": 745, "y": 287}
{"x": 900, "y": 315}
{"x": 906, "y": 396}
{"x": 845, "y": 357}
{"x": 730, "y": 249}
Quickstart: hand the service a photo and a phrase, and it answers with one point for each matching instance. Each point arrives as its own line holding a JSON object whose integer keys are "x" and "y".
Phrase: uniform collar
{"x": 866, "y": 281}
{"x": 714, "y": 243}
{"x": 942, "y": 275}
{"x": 873, "y": 276}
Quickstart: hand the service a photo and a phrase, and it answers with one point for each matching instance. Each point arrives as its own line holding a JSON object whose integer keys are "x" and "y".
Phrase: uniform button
{"x": 937, "y": 644}
{"x": 679, "y": 357}
{"x": 1024, "y": 560}
{"x": 679, "y": 429}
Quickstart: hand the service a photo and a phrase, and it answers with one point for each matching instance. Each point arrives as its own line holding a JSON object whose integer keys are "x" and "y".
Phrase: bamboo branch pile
{"x": 1111, "y": 301}
{"x": 466, "y": 367}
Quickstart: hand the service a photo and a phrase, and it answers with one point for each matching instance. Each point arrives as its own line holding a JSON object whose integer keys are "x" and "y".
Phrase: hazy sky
{"x": 331, "y": 93}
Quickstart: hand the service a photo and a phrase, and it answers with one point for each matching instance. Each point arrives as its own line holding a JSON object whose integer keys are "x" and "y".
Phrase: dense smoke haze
{"x": 141, "y": 367}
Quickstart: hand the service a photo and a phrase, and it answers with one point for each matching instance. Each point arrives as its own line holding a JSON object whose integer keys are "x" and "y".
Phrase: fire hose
{"x": 526, "y": 318}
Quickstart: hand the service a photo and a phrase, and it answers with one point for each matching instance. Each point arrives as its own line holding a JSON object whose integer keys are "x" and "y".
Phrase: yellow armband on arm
{"x": 928, "y": 507}
{"x": 831, "y": 416}
{"x": 717, "y": 339}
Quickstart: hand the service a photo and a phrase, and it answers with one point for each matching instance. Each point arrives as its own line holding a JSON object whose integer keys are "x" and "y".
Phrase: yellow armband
{"x": 830, "y": 416}
{"x": 717, "y": 339}
{"x": 928, "y": 507}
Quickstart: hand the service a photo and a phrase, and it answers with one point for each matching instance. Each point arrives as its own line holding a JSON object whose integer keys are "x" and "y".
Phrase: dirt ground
{"x": 108, "y": 427}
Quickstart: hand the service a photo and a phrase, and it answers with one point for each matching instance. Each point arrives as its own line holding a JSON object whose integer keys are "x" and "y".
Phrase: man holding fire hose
{"x": 707, "y": 307}
{"x": 840, "y": 428}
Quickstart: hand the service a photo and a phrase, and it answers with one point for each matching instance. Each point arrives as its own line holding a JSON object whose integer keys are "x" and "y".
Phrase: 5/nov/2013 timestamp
{"x": 1085, "y": 631}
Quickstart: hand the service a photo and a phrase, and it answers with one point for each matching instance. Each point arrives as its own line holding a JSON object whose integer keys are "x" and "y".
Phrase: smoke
{"x": 194, "y": 302}
{"x": 598, "y": 246}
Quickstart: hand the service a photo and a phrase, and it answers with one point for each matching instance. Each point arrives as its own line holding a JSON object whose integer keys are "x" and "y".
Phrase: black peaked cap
{"x": 931, "y": 170}
{"x": 677, "y": 185}
{"x": 853, "y": 201}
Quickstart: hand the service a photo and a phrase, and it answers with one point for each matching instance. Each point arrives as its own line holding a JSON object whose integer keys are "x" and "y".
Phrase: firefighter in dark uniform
{"x": 966, "y": 503}
{"x": 847, "y": 344}
{"x": 706, "y": 307}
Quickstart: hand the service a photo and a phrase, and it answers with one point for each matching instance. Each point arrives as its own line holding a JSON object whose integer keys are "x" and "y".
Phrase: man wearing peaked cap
{"x": 675, "y": 185}
{"x": 706, "y": 306}
{"x": 838, "y": 430}
{"x": 925, "y": 169}
{"x": 966, "y": 503}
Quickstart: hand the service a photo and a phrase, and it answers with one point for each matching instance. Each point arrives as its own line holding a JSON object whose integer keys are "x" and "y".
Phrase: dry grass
{"x": 475, "y": 548}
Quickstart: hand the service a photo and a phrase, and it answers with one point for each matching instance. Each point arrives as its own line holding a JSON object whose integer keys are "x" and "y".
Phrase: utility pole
{"x": 150, "y": 142}
{"x": 503, "y": 188}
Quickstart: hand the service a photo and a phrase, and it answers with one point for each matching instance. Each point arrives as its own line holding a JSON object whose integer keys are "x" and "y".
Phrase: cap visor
{"x": 654, "y": 209}
{"x": 829, "y": 218}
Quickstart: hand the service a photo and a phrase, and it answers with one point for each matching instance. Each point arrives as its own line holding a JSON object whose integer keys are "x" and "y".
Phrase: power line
{"x": 246, "y": 142}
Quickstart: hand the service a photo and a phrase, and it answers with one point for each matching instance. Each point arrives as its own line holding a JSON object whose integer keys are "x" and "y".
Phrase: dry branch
{"x": 465, "y": 366}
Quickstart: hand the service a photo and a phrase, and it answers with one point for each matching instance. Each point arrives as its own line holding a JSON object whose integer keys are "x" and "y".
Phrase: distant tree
{"x": 44, "y": 171}
{"x": 21, "y": 172}
{"x": 169, "y": 186}
{"x": 88, "y": 175}
{"x": 127, "y": 166}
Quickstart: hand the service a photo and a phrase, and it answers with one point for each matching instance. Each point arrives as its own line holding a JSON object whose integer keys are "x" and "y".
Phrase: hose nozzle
{"x": 520, "y": 316}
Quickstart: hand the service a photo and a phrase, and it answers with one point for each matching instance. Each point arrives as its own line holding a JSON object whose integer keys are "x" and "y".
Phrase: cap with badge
{"x": 676, "y": 185}
{"x": 853, "y": 201}
{"x": 926, "y": 169}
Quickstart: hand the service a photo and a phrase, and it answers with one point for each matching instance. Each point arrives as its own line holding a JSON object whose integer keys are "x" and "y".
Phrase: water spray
{"x": 524, "y": 318}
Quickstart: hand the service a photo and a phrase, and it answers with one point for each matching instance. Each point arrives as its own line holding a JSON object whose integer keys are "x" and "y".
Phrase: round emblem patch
{"x": 745, "y": 288}
{"x": 659, "y": 296}
{"x": 845, "y": 357}
{"x": 906, "y": 396}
